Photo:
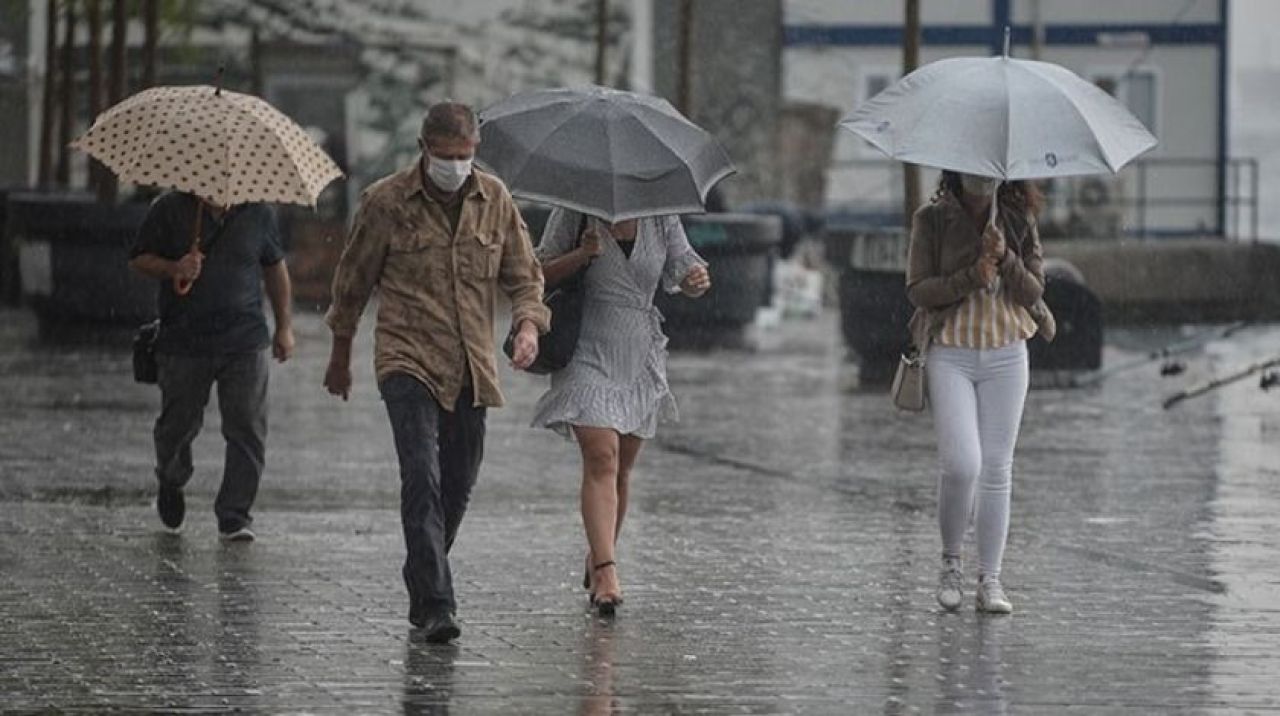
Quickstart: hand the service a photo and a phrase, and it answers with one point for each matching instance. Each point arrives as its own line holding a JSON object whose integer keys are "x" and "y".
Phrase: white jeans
{"x": 977, "y": 398}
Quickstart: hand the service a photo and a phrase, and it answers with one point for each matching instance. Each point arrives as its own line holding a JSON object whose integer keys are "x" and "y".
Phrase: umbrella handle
{"x": 183, "y": 286}
{"x": 991, "y": 221}
{"x": 995, "y": 202}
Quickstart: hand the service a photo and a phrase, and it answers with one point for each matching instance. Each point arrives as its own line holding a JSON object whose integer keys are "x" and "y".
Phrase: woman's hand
{"x": 988, "y": 270}
{"x": 696, "y": 282}
{"x": 993, "y": 244}
{"x": 590, "y": 245}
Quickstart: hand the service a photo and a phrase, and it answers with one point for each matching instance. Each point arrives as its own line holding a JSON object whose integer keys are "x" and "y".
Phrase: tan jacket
{"x": 942, "y": 271}
{"x": 437, "y": 288}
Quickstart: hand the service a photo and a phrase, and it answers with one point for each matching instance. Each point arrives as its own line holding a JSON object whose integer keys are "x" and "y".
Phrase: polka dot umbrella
{"x": 225, "y": 147}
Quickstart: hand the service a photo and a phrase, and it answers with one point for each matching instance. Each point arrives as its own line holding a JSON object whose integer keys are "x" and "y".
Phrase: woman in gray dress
{"x": 613, "y": 393}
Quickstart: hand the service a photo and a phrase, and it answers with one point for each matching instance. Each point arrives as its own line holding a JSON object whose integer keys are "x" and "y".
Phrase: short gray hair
{"x": 449, "y": 120}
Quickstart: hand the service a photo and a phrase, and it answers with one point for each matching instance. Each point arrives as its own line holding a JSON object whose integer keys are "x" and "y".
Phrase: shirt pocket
{"x": 417, "y": 255}
{"x": 482, "y": 255}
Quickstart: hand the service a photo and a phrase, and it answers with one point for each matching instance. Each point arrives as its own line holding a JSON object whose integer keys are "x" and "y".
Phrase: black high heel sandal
{"x": 605, "y": 607}
{"x": 586, "y": 573}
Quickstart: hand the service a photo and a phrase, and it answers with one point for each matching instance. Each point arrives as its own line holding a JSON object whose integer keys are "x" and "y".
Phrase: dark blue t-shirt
{"x": 223, "y": 311}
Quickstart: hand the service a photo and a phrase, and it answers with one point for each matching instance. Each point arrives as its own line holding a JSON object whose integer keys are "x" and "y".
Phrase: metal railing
{"x": 1151, "y": 198}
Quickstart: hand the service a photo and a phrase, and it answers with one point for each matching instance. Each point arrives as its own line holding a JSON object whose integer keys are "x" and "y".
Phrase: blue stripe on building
{"x": 993, "y": 35}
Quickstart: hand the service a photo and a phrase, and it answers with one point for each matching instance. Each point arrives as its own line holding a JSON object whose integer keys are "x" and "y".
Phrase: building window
{"x": 1137, "y": 88}
{"x": 873, "y": 80}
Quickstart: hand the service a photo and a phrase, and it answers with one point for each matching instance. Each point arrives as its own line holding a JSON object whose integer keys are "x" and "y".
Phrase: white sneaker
{"x": 950, "y": 588}
{"x": 991, "y": 598}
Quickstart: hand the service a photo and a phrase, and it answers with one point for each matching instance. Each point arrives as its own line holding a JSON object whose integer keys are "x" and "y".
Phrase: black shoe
{"x": 171, "y": 506}
{"x": 440, "y": 628}
{"x": 608, "y": 605}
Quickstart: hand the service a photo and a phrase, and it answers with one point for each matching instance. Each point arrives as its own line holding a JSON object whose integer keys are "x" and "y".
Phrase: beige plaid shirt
{"x": 437, "y": 288}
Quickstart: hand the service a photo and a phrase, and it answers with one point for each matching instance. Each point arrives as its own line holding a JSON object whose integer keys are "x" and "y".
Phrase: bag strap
{"x": 574, "y": 278}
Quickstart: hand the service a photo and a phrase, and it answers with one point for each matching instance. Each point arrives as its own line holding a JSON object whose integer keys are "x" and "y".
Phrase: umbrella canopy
{"x": 226, "y": 147}
{"x": 612, "y": 154}
{"x": 1001, "y": 117}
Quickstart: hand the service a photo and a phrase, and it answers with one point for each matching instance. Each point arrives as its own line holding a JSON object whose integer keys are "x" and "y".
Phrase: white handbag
{"x": 908, "y": 390}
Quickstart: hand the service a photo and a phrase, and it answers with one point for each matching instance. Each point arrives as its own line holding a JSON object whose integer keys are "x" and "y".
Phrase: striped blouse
{"x": 986, "y": 320}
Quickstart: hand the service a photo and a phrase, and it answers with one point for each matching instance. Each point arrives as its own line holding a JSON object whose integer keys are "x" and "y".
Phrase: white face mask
{"x": 978, "y": 186}
{"x": 448, "y": 174}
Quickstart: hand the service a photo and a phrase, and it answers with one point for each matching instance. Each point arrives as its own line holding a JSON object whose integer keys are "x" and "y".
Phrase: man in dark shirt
{"x": 215, "y": 333}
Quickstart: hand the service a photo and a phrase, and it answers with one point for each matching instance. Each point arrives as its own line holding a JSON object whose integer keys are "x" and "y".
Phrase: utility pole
{"x": 151, "y": 35}
{"x": 93, "y": 11}
{"x": 602, "y": 38}
{"x": 66, "y": 116}
{"x": 910, "y": 61}
{"x": 110, "y": 187}
{"x": 119, "y": 41}
{"x": 1037, "y": 30}
{"x": 47, "y": 101}
{"x": 684, "y": 87}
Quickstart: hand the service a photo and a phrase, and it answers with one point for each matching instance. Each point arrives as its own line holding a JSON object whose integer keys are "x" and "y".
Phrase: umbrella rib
{"x": 1008, "y": 126}
{"x": 130, "y": 169}
{"x": 941, "y": 96}
{"x": 613, "y": 175}
{"x": 678, "y": 155}
{"x": 1070, "y": 99}
{"x": 249, "y": 110}
{"x": 533, "y": 150}
{"x": 226, "y": 162}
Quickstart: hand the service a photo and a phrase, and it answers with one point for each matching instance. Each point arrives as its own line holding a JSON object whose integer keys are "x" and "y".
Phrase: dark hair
{"x": 449, "y": 120}
{"x": 1022, "y": 197}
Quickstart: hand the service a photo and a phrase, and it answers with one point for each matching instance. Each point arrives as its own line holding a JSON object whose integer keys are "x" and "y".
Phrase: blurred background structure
{"x": 769, "y": 78}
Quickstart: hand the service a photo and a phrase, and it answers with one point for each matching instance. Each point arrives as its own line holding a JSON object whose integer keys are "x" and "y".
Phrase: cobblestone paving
{"x": 779, "y": 557}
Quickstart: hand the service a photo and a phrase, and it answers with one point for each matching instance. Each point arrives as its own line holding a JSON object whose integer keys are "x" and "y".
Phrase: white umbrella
{"x": 1001, "y": 117}
{"x": 225, "y": 147}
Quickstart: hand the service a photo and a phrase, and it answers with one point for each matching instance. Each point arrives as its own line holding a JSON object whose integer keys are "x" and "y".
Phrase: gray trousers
{"x": 440, "y": 453}
{"x": 185, "y": 384}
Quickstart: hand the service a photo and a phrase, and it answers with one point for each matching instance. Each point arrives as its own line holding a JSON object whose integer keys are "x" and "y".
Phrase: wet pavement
{"x": 779, "y": 556}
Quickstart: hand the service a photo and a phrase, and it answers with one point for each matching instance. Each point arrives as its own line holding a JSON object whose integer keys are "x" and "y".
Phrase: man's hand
{"x": 696, "y": 282}
{"x": 337, "y": 379}
{"x": 283, "y": 343}
{"x": 187, "y": 268}
{"x": 993, "y": 244}
{"x": 525, "y": 350}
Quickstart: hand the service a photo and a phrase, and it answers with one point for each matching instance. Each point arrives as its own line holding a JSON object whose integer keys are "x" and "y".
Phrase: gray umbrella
{"x": 612, "y": 154}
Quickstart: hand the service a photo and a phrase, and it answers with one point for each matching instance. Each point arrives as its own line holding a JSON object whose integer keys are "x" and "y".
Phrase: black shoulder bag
{"x": 145, "y": 369}
{"x": 556, "y": 346}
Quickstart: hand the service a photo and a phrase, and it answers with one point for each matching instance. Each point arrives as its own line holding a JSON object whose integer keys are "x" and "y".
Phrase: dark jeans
{"x": 185, "y": 383}
{"x": 440, "y": 454}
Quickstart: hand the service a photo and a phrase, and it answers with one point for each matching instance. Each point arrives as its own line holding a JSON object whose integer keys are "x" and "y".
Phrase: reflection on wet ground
{"x": 780, "y": 555}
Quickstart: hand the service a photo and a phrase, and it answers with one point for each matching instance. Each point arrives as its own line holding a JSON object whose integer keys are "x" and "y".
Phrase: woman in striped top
{"x": 977, "y": 287}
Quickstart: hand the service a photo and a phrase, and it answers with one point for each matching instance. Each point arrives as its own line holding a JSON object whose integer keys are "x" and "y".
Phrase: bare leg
{"x": 628, "y": 450}
{"x": 599, "y": 448}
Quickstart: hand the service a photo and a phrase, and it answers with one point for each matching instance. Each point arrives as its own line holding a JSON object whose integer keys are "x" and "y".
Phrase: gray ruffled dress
{"x": 618, "y": 376}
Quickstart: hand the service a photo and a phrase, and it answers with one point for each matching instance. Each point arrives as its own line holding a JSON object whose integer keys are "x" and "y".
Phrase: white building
{"x": 1166, "y": 60}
